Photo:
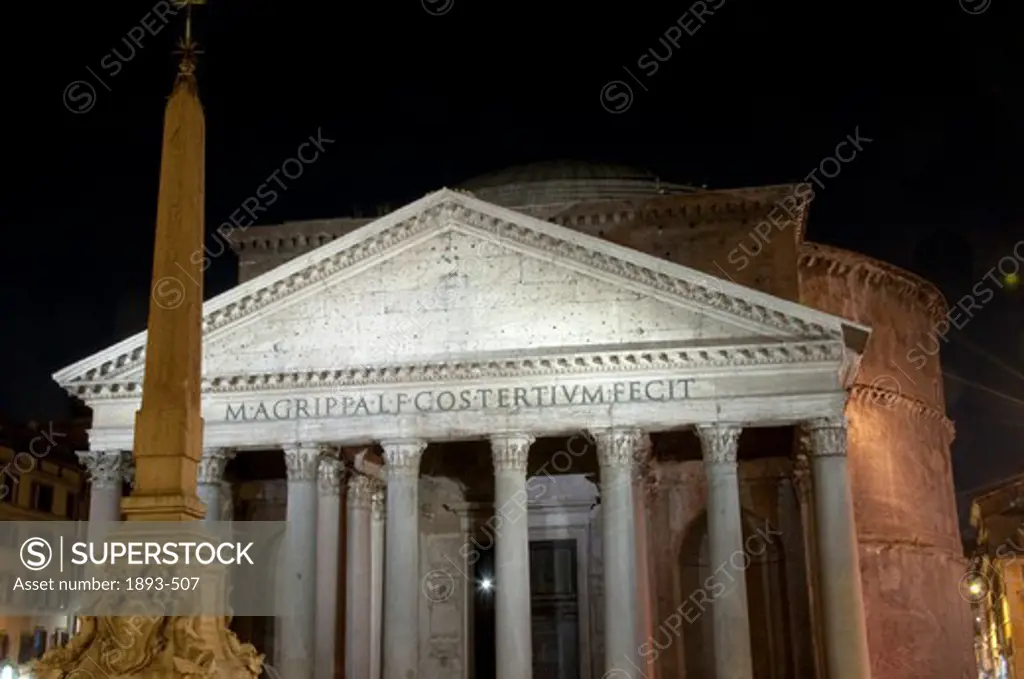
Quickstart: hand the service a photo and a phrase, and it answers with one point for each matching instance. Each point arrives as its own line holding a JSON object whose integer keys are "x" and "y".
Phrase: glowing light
{"x": 1012, "y": 280}
{"x": 486, "y": 585}
{"x": 974, "y": 588}
{"x": 8, "y": 672}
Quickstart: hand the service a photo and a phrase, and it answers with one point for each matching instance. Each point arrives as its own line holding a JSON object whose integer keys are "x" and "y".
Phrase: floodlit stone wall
{"x": 899, "y": 441}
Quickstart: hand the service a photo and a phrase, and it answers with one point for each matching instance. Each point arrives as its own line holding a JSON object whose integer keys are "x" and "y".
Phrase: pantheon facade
{"x": 571, "y": 420}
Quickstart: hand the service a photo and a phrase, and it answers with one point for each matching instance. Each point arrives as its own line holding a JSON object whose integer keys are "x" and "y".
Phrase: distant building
{"x": 995, "y": 584}
{"x": 40, "y": 480}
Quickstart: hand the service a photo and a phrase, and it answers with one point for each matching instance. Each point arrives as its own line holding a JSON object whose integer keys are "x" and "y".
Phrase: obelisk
{"x": 169, "y": 425}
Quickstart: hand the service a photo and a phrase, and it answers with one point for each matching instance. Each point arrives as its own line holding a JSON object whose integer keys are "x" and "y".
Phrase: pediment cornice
{"x": 780, "y": 353}
{"x": 450, "y": 209}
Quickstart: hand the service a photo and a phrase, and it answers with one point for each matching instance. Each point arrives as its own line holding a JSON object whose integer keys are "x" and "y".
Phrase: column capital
{"x": 826, "y": 437}
{"x": 402, "y": 457}
{"x": 509, "y": 452}
{"x": 106, "y": 468}
{"x": 212, "y": 464}
{"x": 301, "y": 460}
{"x": 616, "y": 447}
{"x": 719, "y": 443}
{"x": 378, "y": 501}
{"x": 330, "y": 476}
{"x": 642, "y": 457}
{"x": 128, "y": 467}
{"x": 802, "y": 480}
{"x": 360, "y": 491}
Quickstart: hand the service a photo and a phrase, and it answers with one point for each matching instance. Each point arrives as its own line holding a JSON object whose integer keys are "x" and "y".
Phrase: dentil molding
{"x": 779, "y": 353}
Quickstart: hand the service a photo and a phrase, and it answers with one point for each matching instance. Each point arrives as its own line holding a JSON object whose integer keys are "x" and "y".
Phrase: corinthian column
{"x": 645, "y": 605}
{"x": 358, "y": 599}
{"x": 729, "y": 614}
{"x": 842, "y": 599}
{"x": 616, "y": 453}
{"x": 378, "y": 512}
{"x": 106, "y": 470}
{"x": 330, "y": 477}
{"x": 513, "y": 643}
{"x": 298, "y": 646}
{"x": 402, "y": 570}
{"x": 802, "y": 484}
{"x": 211, "y": 476}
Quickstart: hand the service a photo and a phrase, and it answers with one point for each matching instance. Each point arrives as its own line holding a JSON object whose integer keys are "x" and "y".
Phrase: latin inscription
{"x": 442, "y": 401}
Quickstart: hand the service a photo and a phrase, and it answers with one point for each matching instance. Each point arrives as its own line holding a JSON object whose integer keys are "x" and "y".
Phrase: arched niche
{"x": 765, "y": 572}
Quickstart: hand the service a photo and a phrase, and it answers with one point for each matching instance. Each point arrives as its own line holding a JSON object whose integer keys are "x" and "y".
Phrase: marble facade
{"x": 601, "y": 392}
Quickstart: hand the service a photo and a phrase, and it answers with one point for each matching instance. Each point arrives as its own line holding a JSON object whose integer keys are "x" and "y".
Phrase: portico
{"x": 457, "y": 322}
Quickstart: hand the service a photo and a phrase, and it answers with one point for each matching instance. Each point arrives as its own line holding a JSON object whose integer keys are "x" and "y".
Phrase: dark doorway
{"x": 483, "y": 616}
{"x": 554, "y": 609}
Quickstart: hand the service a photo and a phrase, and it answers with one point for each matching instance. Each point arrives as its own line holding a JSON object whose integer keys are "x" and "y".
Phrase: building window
{"x": 8, "y": 490}
{"x": 71, "y": 506}
{"x": 39, "y": 642}
{"x": 42, "y": 497}
{"x": 24, "y": 649}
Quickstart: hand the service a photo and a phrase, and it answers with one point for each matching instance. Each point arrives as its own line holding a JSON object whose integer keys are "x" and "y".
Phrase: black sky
{"x": 759, "y": 94}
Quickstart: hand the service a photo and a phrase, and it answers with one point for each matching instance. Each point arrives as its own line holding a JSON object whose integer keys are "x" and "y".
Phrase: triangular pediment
{"x": 451, "y": 277}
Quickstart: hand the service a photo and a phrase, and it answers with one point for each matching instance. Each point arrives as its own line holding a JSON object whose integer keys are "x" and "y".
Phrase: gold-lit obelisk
{"x": 169, "y": 425}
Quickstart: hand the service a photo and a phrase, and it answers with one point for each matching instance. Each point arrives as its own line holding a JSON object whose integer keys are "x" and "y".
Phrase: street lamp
{"x": 8, "y": 671}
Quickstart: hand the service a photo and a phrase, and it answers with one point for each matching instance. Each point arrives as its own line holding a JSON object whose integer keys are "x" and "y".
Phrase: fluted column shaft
{"x": 378, "y": 511}
{"x": 358, "y": 599}
{"x": 842, "y": 598}
{"x": 729, "y": 613}
{"x": 616, "y": 454}
{"x": 227, "y": 505}
{"x": 402, "y": 568}
{"x": 330, "y": 480}
{"x": 210, "y": 482}
{"x": 513, "y": 641}
{"x": 803, "y": 486}
{"x": 299, "y": 626}
{"x": 645, "y": 605}
{"x": 106, "y": 470}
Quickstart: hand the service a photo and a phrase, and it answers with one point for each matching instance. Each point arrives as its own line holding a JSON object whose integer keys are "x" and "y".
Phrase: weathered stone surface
{"x": 904, "y": 313}
{"x": 918, "y": 624}
{"x": 899, "y": 438}
{"x": 454, "y": 294}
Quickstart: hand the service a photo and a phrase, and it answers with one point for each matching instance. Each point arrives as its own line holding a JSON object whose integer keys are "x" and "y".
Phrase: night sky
{"x": 419, "y": 95}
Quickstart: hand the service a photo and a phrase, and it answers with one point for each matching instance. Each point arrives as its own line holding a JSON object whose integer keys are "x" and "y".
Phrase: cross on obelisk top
{"x": 187, "y": 48}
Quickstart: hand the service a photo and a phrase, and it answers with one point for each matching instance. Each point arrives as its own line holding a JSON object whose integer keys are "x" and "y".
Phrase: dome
{"x": 567, "y": 181}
